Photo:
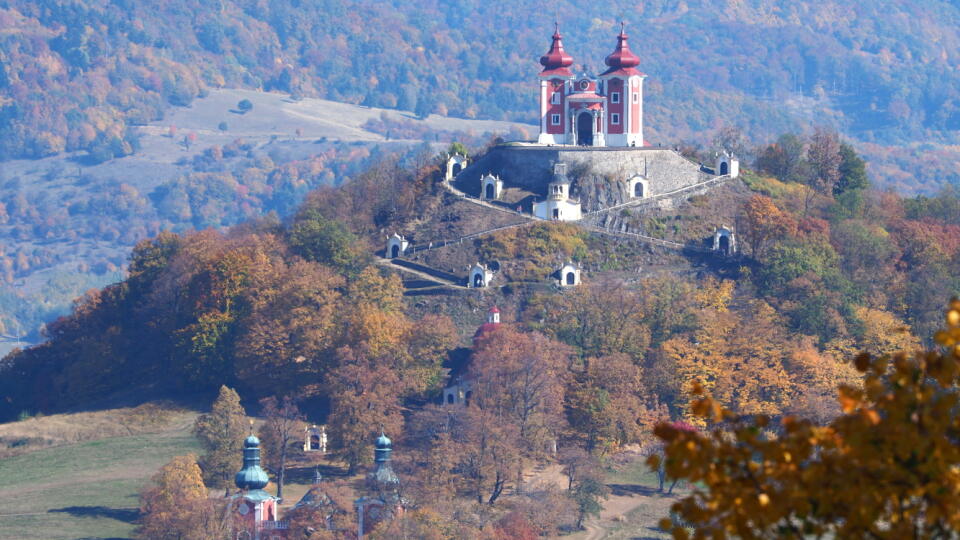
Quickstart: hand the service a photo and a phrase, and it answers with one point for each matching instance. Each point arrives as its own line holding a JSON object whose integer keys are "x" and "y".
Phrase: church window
{"x": 615, "y": 97}
{"x": 555, "y": 98}
{"x": 555, "y": 119}
{"x": 636, "y": 97}
{"x": 615, "y": 119}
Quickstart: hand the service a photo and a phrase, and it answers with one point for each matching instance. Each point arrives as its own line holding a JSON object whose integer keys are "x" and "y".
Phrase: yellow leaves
{"x": 849, "y": 399}
{"x": 715, "y": 294}
{"x": 953, "y": 317}
{"x": 890, "y": 458}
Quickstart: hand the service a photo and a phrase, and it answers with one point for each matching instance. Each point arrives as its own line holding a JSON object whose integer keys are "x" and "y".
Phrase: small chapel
{"x": 585, "y": 110}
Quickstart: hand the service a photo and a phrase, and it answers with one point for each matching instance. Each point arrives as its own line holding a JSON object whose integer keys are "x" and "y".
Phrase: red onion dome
{"x": 622, "y": 60}
{"x": 557, "y": 61}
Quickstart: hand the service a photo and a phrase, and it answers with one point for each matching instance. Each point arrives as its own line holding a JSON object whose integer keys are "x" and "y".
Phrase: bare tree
{"x": 283, "y": 426}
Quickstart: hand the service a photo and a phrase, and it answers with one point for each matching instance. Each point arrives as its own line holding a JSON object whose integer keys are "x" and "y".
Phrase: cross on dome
{"x": 556, "y": 62}
{"x": 622, "y": 61}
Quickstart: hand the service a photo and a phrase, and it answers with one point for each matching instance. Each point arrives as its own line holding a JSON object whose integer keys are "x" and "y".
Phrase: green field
{"x": 84, "y": 490}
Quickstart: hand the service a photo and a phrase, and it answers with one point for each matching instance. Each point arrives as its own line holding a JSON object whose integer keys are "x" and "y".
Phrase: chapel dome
{"x": 556, "y": 61}
{"x": 622, "y": 60}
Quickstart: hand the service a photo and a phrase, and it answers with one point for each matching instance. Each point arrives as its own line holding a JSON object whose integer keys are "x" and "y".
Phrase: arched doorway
{"x": 585, "y": 129}
{"x": 449, "y": 399}
{"x": 571, "y": 278}
{"x": 456, "y": 169}
{"x": 489, "y": 192}
{"x": 724, "y": 244}
{"x": 466, "y": 399}
{"x": 724, "y": 168}
{"x": 394, "y": 251}
{"x": 478, "y": 280}
{"x": 314, "y": 442}
{"x": 638, "y": 189}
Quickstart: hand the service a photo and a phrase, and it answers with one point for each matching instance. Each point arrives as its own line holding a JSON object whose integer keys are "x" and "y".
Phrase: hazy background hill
{"x": 76, "y": 75}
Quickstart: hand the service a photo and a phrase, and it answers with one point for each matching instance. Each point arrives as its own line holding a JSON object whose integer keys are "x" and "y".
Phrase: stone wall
{"x": 599, "y": 174}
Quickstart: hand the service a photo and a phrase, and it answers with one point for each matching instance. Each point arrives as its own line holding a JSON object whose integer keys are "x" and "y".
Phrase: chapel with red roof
{"x": 583, "y": 110}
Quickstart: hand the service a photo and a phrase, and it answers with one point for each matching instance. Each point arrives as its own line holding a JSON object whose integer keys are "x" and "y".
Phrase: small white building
{"x": 569, "y": 275}
{"x": 479, "y": 277}
{"x": 724, "y": 241}
{"x": 491, "y": 187}
{"x": 558, "y": 206}
{"x": 727, "y": 165}
{"x": 315, "y": 439}
{"x": 637, "y": 187}
{"x": 396, "y": 246}
{"x": 455, "y": 164}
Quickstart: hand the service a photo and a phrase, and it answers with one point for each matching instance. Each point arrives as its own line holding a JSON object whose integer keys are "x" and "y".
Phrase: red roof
{"x": 622, "y": 61}
{"x": 494, "y": 309}
{"x": 556, "y": 62}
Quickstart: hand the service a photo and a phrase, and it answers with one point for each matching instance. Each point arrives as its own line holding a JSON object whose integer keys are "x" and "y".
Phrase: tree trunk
{"x": 497, "y": 489}
{"x": 283, "y": 470}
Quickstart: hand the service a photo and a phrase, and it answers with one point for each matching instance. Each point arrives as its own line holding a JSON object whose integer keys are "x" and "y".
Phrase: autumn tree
{"x": 605, "y": 403}
{"x": 175, "y": 505}
{"x": 798, "y": 479}
{"x": 597, "y": 318}
{"x": 365, "y": 393}
{"x": 283, "y": 426}
{"x": 761, "y": 223}
{"x": 825, "y": 159}
{"x": 519, "y": 376}
{"x": 294, "y": 323}
{"x": 221, "y": 433}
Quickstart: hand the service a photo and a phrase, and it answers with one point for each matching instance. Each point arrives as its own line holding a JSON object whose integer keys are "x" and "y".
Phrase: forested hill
{"x": 74, "y": 75}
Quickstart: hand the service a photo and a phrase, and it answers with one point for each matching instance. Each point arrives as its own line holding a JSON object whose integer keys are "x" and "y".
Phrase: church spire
{"x": 622, "y": 61}
{"x": 251, "y": 476}
{"x": 556, "y": 62}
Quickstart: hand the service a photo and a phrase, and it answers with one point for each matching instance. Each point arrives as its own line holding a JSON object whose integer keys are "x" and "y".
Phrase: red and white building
{"x": 606, "y": 110}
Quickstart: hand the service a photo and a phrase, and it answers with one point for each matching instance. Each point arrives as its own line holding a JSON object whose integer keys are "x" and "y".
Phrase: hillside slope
{"x": 69, "y": 225}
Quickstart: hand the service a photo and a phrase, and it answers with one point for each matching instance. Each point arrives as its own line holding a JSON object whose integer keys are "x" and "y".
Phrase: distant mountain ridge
{"x": 76, "y": 75}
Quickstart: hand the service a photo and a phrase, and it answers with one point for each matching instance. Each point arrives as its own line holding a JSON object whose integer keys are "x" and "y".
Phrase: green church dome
{"x": 251, "y": 476}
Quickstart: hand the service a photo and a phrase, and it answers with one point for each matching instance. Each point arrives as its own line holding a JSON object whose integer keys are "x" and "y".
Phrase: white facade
{"x": 491, "y": 187}
{"x": 638, "y": 187}
{"x": 396, "y": 246}
{"x": 455, "y": 164}
{"x": 727, "y": 165}
{"x": 569, "y": 275}
{"x": 725, "y": 241}
{"x": 315, "y": 439}
{"x": 558, "y": 206}
{"x": 480, "y": 276}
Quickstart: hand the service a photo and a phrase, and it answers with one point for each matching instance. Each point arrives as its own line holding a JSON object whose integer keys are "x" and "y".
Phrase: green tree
{"x": 317, "y": 238}
{"x": 853, "y": 171}
{"x": 587, "y": 492}
{"x": 221, "y": 433}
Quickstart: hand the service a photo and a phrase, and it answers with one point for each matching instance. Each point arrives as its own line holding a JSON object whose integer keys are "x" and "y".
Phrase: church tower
{"x": 256, "y": 509}
{"x": 587, "y": 110}
{"x": 554, "y": 82}
{"x": 624, "y": 89}
{"x": 383, "y": 483}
